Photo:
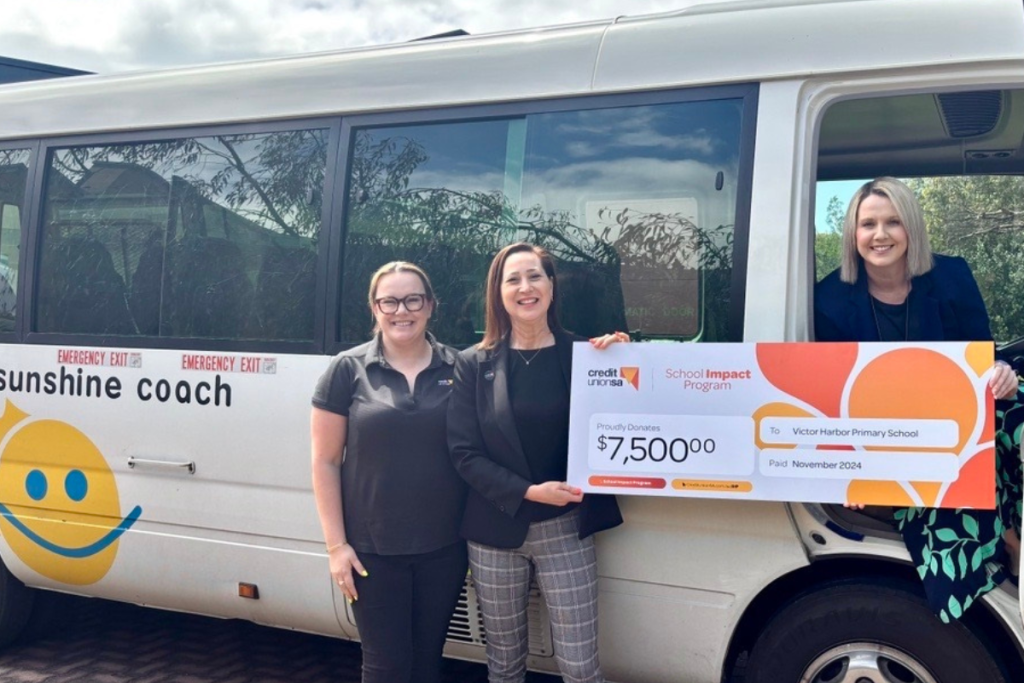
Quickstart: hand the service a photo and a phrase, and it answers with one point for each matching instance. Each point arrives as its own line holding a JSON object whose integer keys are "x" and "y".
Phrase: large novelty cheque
{"x": 888, "y": 424}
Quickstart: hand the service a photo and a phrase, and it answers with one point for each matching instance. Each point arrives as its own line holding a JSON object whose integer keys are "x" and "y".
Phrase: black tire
{"x": 51, "y": 614}
{"x": 820, "y": 636}
{"x": 15, "y": 607}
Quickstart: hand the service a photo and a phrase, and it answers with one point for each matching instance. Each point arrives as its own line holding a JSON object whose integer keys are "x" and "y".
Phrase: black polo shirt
{"x": 400, "y": 493}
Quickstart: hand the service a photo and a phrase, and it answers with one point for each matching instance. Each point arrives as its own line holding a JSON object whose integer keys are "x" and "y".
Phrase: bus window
{"x": 433, "y": 195}
{"x": 210, "y": 237}
{"x": 637, "y": 204}
{"x": 13, "y": 175}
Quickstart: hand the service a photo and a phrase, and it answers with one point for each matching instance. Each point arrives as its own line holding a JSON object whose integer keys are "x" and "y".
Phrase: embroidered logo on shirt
{"x": 445, "y": 382}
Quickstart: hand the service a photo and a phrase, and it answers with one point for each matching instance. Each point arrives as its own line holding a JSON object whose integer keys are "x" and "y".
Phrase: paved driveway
{"x": 109, "y": 642}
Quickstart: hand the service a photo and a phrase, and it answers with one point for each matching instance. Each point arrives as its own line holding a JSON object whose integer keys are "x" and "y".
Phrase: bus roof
{"x": 705, "y": 42}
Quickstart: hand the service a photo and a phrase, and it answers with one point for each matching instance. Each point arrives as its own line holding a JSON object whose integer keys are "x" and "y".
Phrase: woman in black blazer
{"x": 892, "y": 288}
{"x": 508, "y": 424}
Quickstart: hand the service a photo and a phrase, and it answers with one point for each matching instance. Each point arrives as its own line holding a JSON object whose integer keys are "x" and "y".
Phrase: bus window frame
{"x": 25, "y": 216}
{"x": 746, "y": 92}
{"x": 825, "y": 93}
{"x": 29, "y": 283}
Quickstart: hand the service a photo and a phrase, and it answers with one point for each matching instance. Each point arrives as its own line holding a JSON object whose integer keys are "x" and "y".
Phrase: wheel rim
{"x": 866, "y": 663}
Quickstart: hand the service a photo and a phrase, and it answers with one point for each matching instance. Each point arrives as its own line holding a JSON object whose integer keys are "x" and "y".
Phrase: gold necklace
{"x": 531, "y": 358}
{"x": 535, "y": 352}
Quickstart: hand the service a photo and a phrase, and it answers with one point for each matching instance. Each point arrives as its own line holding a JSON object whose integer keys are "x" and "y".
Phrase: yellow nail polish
{"x": 349, "y": 600}
{"x": 365, "y": 573}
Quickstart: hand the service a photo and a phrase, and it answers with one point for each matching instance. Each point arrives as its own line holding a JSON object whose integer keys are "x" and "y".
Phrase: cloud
{"x": 702, "y": 144}
{"x": 581, "y": 148}
{"x": 631, "y": 177}
{"x": 118, "y": 35}
{"x": 572, "y": 186}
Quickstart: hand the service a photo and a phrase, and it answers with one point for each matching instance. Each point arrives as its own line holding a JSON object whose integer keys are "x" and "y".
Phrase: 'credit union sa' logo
{"x": 614, "y": 377}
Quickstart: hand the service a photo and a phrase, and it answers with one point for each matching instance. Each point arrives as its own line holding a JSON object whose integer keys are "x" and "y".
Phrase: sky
{"x": 843, "y": 189}
{"x": 108, "y": 36}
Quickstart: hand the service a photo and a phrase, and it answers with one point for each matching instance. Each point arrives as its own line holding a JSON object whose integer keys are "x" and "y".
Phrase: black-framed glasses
{"x": 412, "y": 303}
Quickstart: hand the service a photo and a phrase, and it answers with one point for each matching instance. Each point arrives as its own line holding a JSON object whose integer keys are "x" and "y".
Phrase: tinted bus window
{"x": 13, "y": 176}
{"x": 212, "y": 237}
{"x": 638, "y": 205}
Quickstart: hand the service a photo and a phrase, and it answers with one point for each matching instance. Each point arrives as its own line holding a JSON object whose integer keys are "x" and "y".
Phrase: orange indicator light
{"x": 248, "y": 590}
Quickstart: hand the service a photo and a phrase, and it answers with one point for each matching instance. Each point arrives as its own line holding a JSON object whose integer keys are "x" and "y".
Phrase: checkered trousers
{"x": 566, "y": 570}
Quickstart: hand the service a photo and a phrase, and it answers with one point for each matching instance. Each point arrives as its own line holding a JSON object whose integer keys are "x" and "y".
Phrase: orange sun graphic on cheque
{"x": 905, "y": 383}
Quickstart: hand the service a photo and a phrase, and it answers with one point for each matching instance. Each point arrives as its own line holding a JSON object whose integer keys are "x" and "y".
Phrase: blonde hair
{"x": 398, "y": 267}
{"x": 497, "y": 322}
{"x": 919, "y": 250}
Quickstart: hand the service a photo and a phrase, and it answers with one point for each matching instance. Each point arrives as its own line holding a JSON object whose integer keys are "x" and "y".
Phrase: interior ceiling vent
{"x": 968, "y": 114}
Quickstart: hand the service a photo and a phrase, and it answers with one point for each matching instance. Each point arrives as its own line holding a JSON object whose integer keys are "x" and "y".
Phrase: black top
{"x": 400, "y": 493}
{"x": 540, "y": 406}
{"x": 892, "y": 320}
{"x": 486, "y": 449}
{"x": 944, "y": 305}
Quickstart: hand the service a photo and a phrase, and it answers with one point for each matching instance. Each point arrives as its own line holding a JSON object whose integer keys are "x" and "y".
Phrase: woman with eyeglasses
{"x": 389, "y": 500}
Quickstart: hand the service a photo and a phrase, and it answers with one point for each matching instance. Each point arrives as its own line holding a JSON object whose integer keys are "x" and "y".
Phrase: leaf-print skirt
{"x": 960, "y": 554}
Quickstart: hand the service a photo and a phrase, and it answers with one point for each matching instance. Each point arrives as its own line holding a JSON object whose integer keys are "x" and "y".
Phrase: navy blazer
{"x": 944, "y": 305}
{"x": 485, "y": 448}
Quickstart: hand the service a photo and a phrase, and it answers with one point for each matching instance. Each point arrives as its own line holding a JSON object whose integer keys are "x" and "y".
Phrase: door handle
{"x": 168, "y": 465}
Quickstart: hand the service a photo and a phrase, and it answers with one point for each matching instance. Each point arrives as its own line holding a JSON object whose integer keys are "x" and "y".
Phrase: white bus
{"x": 183, "y": 250}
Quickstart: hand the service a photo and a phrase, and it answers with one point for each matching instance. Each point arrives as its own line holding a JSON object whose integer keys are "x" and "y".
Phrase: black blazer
{"x": 944, "y": 305}
{"x": 485, "y": 449}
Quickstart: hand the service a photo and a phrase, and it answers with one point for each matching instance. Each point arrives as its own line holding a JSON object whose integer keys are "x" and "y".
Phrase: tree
{"x": 981, "y": 218}
{"x": 828, "y": 245}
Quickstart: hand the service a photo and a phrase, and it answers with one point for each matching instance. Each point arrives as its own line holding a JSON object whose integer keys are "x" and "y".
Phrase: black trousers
{"x": 403, "y": 610}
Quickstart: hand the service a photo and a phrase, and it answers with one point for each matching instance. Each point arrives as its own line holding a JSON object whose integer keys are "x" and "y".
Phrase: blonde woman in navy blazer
{"x": 892, "y": 288}
{"x": 508, "y": 437}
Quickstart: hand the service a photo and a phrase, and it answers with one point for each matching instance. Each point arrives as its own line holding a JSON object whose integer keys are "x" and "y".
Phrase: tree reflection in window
{"x": 636, "y": 203}
{"x": 209, "y": 237}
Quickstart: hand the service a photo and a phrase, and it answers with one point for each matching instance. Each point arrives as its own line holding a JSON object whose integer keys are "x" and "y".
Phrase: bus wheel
{"x": 51, "y": 613}
{"x": 15, "y": 607}
{"x": 868, "y": 633}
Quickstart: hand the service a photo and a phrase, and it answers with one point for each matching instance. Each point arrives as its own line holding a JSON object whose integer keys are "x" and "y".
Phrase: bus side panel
{"x": 164, "y": 478}
{"x": 679, "y": 563}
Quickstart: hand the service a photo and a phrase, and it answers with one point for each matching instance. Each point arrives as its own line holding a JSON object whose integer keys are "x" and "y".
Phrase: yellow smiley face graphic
{"x": 59, "y": 508}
